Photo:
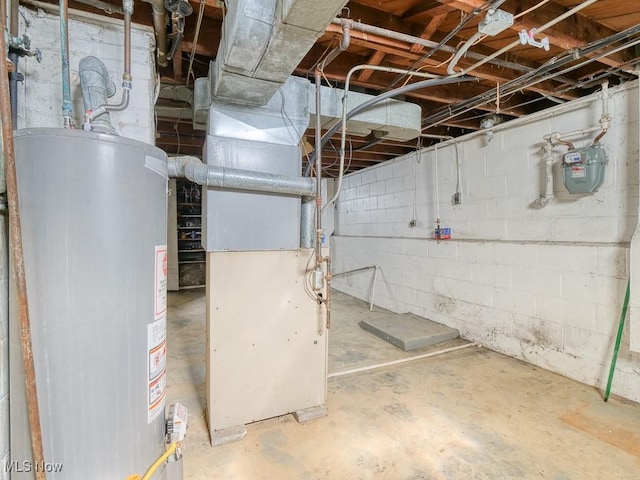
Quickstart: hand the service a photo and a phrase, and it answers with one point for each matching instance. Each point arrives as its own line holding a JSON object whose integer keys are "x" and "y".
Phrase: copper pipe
{"x": 127, "y": 44}
{"x": 328, "y": 300}
{"x": 564, "y": 142}
{"x": 318, "y": 136}
{"x": 18, "y": 260}
{"x": 600, "y": 135}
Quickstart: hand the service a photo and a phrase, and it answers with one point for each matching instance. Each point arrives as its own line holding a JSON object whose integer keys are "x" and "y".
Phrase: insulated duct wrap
{"x": 97, "y": 87}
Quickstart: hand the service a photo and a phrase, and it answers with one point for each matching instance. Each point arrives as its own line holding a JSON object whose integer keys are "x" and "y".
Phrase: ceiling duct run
{"x": 262, "y": 42}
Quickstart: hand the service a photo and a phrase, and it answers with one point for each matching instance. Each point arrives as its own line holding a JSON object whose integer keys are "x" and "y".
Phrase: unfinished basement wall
{"x": 40, "y": 100}
{"x": 545, "y": 285}
{"x": 40, "y": 95}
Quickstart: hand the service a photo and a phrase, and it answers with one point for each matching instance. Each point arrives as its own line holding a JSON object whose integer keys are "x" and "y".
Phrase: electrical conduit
{"x": 67, "y": 109}
{"x": 539, "y": 30}
{"x": 152, "y": 469}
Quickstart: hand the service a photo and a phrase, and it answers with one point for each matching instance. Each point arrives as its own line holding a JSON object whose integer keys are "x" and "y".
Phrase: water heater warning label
{"x": 156, "y": 367}
{"x": 160, "y": 284}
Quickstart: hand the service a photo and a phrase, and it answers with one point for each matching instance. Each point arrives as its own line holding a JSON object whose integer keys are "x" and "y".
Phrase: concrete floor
{"x": 471, "y": 414}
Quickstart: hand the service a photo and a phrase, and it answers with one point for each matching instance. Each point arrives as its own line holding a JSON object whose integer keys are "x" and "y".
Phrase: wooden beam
{"x": 443, "y": 94}
{"x": 428, "y": 31}
{"x": 374, "y": 59}
{"x": 419, "y": 14}
{"x": 575, "y": 31}
{"x": 177, "y": 64}
{"x": 402, "y": 50}
{"x": 201, "y": 49}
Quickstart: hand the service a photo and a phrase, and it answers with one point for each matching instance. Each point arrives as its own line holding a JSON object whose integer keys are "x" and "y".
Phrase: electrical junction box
{"x": 442, "y": 233}
{"x": 494, "y": 24}
{"x": 583, "y": 169}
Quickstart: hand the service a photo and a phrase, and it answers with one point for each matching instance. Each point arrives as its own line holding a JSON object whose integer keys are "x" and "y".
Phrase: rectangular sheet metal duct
{"x": 262, "y": 42}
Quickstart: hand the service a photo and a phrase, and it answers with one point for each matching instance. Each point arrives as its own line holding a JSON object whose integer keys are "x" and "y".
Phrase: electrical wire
{"x": 532, "y": 78}
{"x": 308, "y": 280}
{"x": 152, "y": 469}
{"x": 195, "y": 41}
{"x": 350, "y": 155}
{"x": 463, "y": 22}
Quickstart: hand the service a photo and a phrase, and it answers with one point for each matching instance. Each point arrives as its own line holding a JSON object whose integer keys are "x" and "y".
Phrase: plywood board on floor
{"x": 407, "y": 331}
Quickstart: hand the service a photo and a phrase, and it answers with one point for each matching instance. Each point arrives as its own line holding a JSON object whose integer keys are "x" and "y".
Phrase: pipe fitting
{"x": 97, "y": 86}
{"x": 127, "y": 6}
{"x": 160, "y": 28}
{"x": 346, "y": 36}
{"x": 555, "y": 138}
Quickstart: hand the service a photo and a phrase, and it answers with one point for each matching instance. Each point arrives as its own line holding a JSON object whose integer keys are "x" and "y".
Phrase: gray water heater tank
{"x": 94, "y": 219}
{"x": 583, "y": 168}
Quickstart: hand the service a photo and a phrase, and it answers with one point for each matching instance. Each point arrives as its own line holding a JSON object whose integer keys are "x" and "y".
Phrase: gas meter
{"x": 584, "y": 168}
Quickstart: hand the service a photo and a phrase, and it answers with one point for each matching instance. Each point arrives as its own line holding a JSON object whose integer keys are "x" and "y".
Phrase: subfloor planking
{"x": 470, "y": 414}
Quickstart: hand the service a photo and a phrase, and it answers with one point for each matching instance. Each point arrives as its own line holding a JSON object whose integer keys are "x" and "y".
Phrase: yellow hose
{"x": 156, "y": 464}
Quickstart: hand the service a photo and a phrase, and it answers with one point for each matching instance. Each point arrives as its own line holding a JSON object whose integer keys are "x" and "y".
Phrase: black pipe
{"x": 13, "y": 89}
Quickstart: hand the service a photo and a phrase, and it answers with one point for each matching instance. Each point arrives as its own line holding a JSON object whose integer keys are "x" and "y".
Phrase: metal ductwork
{"x": 388, "y": 120}
{"x": 262, "y": 42}
{"x": 97, "y": 86}
{"x": 235, "y": 179}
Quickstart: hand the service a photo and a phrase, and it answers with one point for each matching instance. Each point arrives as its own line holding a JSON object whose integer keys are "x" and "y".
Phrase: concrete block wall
{"x": 545, "y": 285}
{"x": 40, "y": 95}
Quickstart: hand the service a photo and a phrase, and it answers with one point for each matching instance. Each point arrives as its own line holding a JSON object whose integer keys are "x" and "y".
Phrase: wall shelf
{"x": 188, "y": 256}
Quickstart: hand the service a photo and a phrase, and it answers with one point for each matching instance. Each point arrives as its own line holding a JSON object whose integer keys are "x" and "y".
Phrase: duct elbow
{"x": 97, "y": 86}
{"x": 180, "y": 166}
{"x": 346, "y": 36}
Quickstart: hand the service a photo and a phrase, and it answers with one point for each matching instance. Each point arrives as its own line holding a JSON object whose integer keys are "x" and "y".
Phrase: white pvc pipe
{"x": 604, "y": 120}
{"x": 557, "y": 135}
{"x": 402, "y": 360}
{"x": 373, "y": 287}
{"x": 362, "y": 269}
{"x": 436, "y": 137}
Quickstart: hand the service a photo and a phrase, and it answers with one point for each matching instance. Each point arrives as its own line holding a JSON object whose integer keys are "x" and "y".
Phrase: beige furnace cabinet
{"x": 266, "y": 338}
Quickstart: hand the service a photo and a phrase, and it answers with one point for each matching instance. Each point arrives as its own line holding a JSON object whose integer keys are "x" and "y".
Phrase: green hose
{"x": 623, "y": 314}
